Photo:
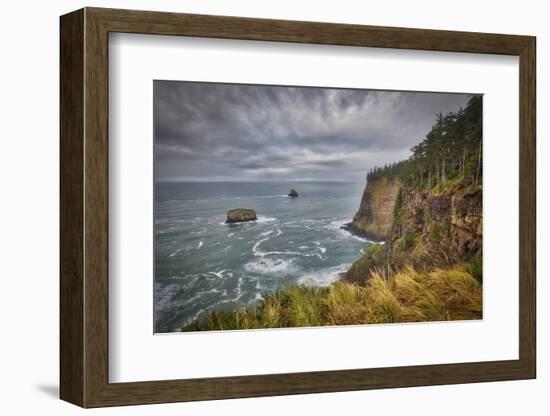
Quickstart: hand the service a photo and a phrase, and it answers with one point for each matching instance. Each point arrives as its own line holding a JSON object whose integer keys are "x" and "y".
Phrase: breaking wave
{"x": 324, "y": 277}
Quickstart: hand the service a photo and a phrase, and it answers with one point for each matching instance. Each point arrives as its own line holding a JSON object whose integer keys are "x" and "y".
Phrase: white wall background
{"x": 29, "y": 159}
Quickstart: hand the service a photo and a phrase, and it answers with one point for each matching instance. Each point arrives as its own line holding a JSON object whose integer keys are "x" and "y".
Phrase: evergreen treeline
{"x": 451, "y": 150}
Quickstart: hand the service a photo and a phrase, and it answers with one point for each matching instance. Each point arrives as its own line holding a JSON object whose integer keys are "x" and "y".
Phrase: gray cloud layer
{"x": 217, "y": 132}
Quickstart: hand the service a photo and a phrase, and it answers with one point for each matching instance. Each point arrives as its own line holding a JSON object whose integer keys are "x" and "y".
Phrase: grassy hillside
{"x": 407, "y": 296}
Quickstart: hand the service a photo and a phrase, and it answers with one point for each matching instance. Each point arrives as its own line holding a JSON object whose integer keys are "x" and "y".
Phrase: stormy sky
{"x": 232, "y": 132}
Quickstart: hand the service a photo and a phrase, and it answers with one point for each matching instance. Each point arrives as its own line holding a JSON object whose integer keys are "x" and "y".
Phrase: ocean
{"x": 203, "y": 264}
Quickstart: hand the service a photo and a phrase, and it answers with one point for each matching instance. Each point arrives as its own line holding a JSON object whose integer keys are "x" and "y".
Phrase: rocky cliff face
{"x": 423, "y": 227}
{"x": 374, "y": 218}
{"x": 436, "y": 227}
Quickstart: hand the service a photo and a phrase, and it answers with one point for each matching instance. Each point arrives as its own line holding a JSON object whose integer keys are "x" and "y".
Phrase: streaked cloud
{"x": 217, "y": 132}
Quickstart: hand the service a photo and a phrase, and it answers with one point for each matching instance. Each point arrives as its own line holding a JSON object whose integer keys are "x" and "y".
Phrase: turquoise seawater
{"x": 203, "y": 264}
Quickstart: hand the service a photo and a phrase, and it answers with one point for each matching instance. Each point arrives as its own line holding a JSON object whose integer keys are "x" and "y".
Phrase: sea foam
{"x": 323, "y": 277}
{"x": 270, "y": 266}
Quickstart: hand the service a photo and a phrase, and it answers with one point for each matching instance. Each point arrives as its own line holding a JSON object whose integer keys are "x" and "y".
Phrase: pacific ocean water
{"x": 203, "y": 264}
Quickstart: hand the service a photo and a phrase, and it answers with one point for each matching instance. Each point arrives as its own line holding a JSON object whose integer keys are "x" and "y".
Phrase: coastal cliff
{"x": 374, "y": 218}
{"x": 435, "y": 201}
{"x": 429, "y": 228}
{"x": 440, "y": 227}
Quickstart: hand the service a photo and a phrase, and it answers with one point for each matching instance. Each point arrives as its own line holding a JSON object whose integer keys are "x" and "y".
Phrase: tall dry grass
{"x": 407, "y": 296}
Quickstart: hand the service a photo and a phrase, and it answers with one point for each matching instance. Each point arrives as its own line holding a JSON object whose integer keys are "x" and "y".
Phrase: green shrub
{"x": 398, "y": 206}
{"x": 475, "y": 267}
{"x": 409, "y": 241}
{"x": 436, "y": 232}
{"x": 360, "y": 270}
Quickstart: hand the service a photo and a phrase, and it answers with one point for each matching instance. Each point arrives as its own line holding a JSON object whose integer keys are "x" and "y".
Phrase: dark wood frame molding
{"x": 84, "y": 208}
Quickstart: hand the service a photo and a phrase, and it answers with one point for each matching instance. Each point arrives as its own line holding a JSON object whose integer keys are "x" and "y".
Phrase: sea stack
{"x": 240, "y": 215}
{"x": 293, "y": 193}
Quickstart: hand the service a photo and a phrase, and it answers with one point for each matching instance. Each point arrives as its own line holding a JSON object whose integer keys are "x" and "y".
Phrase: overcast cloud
{"x": 220, "y": 132}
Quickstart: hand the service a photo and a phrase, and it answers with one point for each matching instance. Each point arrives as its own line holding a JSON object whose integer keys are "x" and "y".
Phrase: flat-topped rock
{"x": 293, "y": 193}
{"x": 240, "y": 215}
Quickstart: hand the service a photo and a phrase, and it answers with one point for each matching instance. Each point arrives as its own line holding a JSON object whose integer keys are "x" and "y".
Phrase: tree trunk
{"x": 464, "y": 161}
{"x": 478, "y": 166}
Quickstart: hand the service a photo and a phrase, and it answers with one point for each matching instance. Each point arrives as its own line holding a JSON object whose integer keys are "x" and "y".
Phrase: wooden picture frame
{"x": 84, "y": 207}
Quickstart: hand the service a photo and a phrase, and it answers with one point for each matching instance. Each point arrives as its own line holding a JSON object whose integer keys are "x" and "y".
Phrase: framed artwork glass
{"x": 262, "y": 207}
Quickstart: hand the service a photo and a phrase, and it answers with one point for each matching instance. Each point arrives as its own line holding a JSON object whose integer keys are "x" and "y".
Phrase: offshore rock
{"x": 240, "y": 215}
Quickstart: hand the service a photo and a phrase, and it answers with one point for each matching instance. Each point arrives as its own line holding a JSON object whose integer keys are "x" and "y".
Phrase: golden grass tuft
{"x": 438, "y": 295}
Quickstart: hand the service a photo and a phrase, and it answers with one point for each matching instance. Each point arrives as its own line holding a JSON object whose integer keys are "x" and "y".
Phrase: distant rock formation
{"x": 293, "y": 193}
{"x": 240, "y": 215}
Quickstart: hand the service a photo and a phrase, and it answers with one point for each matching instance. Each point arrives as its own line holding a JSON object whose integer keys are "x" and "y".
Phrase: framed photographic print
{"x": 260, "y": 207}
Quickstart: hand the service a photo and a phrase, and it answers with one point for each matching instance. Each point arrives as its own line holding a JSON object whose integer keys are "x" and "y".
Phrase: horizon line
{"x": 250, "y": 181}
